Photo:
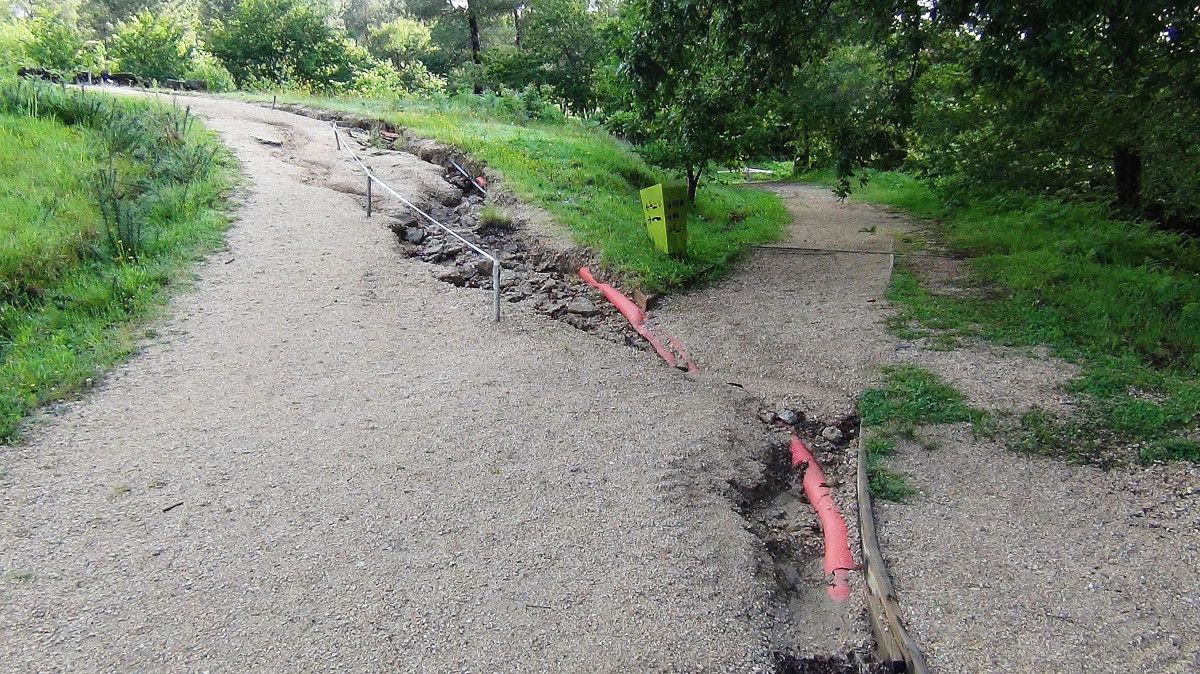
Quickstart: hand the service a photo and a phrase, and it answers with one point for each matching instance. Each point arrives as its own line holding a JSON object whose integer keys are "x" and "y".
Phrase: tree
{"x": 401, "y": 40}
{"x": 56, "y": 43}
{"x": 285, "y": 41}
{"x": 1073, "y": 82}
{"x": 469, "y": 14}
{"x": 153, "y": 45}
{"x": 562, "y": 37}
{"x": 698, "y": 71}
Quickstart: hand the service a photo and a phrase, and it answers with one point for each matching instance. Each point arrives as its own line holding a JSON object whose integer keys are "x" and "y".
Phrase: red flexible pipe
{"x": 637, "y": 318}
{"x": 838, "y": 560}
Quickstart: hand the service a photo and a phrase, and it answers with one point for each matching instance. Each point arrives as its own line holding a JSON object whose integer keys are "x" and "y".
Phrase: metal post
{"x": 496, "y": 288}
{"x": 368, "y": 196}
{"x": 337, "y": 138}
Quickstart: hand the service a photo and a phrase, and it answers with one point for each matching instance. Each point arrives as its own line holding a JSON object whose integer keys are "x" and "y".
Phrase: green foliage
{"x": 56, "y": 44}
{"x": 15, "y": 38}
{"x": 562, "y": 41}
{"x": 123, "y": 196}
{"x": 884, "y": 482}
{"x": 589, "y": 182}
{"x": 914, "y": 396}
{"x": 401, "y": 41}
{"x": 154, "y": 45}
{"x": 205, "y": 67}
{"x": 381, "y": 80}
{"x": 285, "y": 42}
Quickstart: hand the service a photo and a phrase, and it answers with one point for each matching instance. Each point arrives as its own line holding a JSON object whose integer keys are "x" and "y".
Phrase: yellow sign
{"x": 665, "y": 208}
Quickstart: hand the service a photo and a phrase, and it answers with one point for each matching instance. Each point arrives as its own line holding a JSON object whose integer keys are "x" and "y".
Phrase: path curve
{"x": 373, "y": 476}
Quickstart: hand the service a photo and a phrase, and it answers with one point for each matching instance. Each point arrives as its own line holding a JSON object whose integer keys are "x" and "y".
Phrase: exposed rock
{"x": 789, "y": 417}
{"x": 582, "y": 307}
{"x": 453, "y": 275}
{"x": 832, "y": 434}
{"x": 414, "y": 235}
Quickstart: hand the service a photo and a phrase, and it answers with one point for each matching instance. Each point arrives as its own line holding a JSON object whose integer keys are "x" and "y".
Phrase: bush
{"x": 14, "y": 40}
{"x": 381, "y": 80}
{"x": 285, "y": 42}
{"x": 401, "y": 41}
{"x": 153, "y": 45}
{"x": 56, "y": 44}
{"x": 206, "y": 68}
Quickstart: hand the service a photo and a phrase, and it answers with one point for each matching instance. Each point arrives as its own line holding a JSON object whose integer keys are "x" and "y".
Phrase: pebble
{"x": 832, "y": 433}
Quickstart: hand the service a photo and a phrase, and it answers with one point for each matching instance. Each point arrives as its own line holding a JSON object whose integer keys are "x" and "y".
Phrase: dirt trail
{"x": 1004, "y": 562}
{"x": 328, "y": 460}
{"x": 798, "y": 328}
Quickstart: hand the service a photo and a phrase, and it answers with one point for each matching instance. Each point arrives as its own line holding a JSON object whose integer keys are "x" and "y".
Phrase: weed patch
{"x": 885, "y": 483}
{"x": 912, "y": 397}
{"x": 123, "y": 196}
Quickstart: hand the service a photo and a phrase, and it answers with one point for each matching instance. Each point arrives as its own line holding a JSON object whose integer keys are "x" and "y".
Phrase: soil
{"x": 372, "y": 474}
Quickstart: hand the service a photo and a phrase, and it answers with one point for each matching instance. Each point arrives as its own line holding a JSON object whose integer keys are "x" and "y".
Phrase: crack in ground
{"x": 778, "y": 513}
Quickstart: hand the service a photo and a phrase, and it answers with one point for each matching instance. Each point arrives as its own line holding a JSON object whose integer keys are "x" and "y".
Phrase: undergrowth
{"x": 884, "y": 482}
{"x": 1119, "y": 298}
{"x": 589, "y": 182}
{"x": 121, "y": 196}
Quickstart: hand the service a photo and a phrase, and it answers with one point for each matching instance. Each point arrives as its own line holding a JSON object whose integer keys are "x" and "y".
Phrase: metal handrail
{"x": 371, "y": 177}
{"x": 468, "y": 177}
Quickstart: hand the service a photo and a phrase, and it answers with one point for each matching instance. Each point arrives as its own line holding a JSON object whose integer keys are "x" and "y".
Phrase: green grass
{"x": 884, "y": 482}
{"x": 913, "y": 397}
{"x": 1119, "y": 298}
{"x": 77, "y": 286}
{"x": 589, "y": 182}
{"x": 897, "y": 190}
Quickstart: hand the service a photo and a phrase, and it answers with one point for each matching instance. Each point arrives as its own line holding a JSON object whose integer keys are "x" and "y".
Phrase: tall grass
{"x": 102, "y": 205}
{"x": 1120, "y": 298}
{"x": 589, "y": 181}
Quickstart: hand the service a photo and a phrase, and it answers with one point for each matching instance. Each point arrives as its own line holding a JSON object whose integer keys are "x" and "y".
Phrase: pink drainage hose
{"x": 637, "y": 318}
{"x": 838, "y": 560}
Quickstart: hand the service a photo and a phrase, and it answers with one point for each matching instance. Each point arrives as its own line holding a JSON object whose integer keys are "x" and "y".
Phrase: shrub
{"x": 381, "y": 80}
{"x": 206, "y": 68}
{"x": 14, "y": 40}
{"x": 285, "y": 41}
{"x": 56, "y": 44}
{"x": 153, "y": 45}
{"x": 401, "y": 41}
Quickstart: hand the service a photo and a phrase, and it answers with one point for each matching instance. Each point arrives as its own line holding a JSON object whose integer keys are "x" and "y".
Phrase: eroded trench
{"x": 778, "y": 513}
{"x": 774, "y": 506}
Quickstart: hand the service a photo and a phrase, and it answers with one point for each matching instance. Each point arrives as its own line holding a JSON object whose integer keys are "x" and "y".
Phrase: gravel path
{"x": 798, "y": 329}
{"x": 327, "y": 460}
{"x": 1004, "y": 562}
{"x": 1007, "y": 563}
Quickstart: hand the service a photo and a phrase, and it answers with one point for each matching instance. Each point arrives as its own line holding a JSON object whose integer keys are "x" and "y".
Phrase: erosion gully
{"x": 775, "y": 507}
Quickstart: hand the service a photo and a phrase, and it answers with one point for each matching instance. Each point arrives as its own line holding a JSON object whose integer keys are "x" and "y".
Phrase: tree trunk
{"x": 693, "y": 180}
{"x": 517, "y": 23}
{"x": 1127, "y": 169}
{"x": 476, "y": 46}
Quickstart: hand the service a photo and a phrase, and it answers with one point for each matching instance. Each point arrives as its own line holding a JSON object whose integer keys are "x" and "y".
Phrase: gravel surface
{"x": 795, "y": 328}
{"x": 1009, "y": 563}
{"x": 1004, "y": 562}
{"x": 328, "y": 460}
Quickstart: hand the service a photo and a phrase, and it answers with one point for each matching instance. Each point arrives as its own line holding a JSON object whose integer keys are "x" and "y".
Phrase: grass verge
{"x": 589, "y": 182}
{"x": 885, "y": 483}
{"x": 123, "y": 196}
{"x": 909, "y": 397}
{"x": 1119, "y": 298}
